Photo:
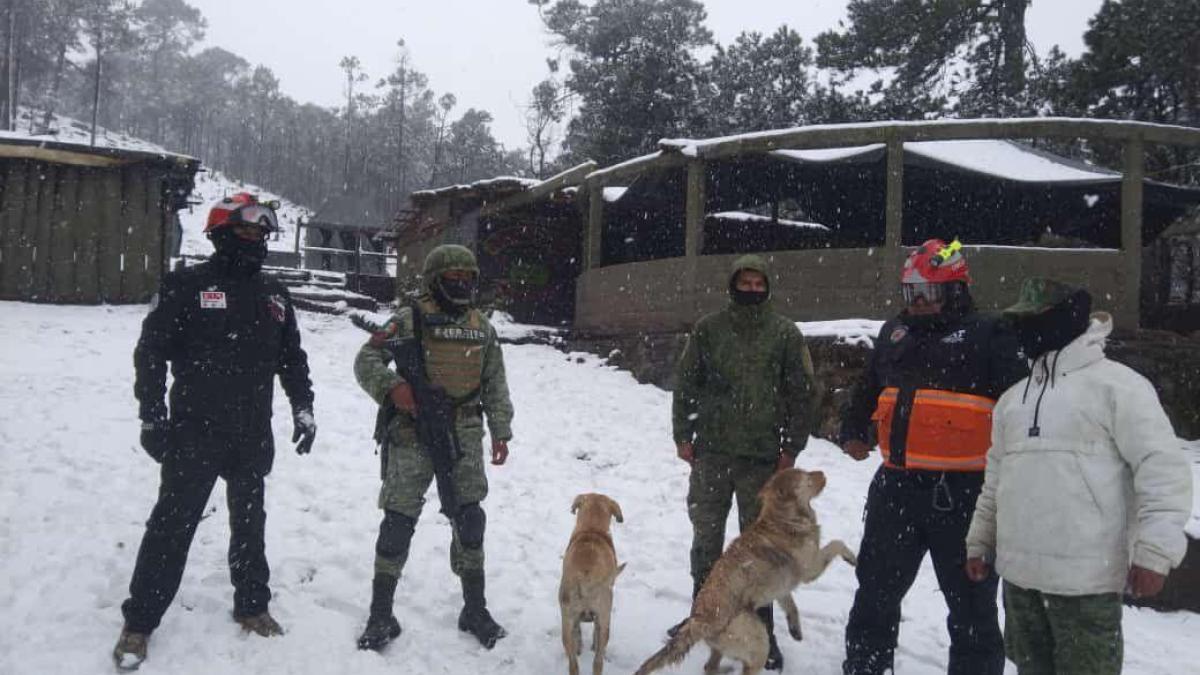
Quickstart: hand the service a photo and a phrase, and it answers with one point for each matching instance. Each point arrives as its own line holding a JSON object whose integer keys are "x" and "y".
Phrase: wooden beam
{"x": 86, "y": 229}
{"x": 614, "y": 174}
{"x": 47, "y": 197}
{"x": 11, "y": 233}
{"x": 695, "y": 209}
{"x": 894, "y": 200}
{"x": 1131, "y": 228}
{"x": 595, "y": 226}
{"x": 842, "y": 135}
{"x": 62, "y": 239}
{"x": 110, "y": 226}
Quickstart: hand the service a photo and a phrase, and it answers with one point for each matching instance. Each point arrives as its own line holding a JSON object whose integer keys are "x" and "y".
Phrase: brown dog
{"x": 589, "y": 570}
{"x": 780, "y": 551}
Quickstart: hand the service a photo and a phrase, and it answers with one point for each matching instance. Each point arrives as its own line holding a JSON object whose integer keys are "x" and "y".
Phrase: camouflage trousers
{"x": 1048, "y": 634}
{"x": 715, "y": 481}
{"x": 408, "y": 474}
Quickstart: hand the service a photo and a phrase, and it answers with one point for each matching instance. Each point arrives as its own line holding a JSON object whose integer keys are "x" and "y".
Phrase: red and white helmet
{"x": 930, "y": 268}
{"x": 242, "y": 208}
{"x": 936, "y": 263}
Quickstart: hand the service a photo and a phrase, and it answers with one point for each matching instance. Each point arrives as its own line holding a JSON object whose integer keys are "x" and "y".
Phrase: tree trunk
{"x": 10, "y": 70}
{"x": 60, "y": 64}
{"x": 96, "y": 90}
{"x": 1012, "y": 34}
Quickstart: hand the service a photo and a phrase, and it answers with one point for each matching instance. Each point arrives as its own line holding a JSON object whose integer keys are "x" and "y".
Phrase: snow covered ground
{"x": 75, "y": 490}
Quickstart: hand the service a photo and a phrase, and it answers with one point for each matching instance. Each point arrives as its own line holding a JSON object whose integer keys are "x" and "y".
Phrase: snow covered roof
{"x": 1002, "y": 159}
{"x": 614, "y": 193}
{"x": 70, "y": 143}
{"x": 499, "y": 184}
{"x": 765, "y": 220}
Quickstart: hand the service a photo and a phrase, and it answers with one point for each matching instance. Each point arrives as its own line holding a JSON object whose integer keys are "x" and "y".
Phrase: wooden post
{"x": 894, "y": 209}
{"x": 696, "y": 198}
{"x": 299, "y": 227}
{"x": 595, "y": 226}
{"x": 1131, "y": 230}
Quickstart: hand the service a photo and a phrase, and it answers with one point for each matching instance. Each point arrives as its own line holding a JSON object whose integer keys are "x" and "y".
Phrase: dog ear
{"x": 577, "y": 503}
{"x": 615, "y": 509}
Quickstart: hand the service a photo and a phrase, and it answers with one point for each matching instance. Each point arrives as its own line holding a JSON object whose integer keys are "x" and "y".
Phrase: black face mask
{"x": 1056, "y": 327}
{"x": 455, "y": 295}
{"x": 244, "y": 255}
{"x": 749, "y": 298}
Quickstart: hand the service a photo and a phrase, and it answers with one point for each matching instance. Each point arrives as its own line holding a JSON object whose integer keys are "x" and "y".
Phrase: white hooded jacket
{"x": 1084, "y": 477}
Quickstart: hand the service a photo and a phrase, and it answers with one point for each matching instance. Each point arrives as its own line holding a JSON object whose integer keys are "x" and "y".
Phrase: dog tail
{"x": 617, "y": 572}
{"x": 675, "y": 649}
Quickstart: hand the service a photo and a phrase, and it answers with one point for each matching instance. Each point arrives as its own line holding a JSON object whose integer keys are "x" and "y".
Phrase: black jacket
{"x": 963, "y": 351}
{"x": 227, "y": 334}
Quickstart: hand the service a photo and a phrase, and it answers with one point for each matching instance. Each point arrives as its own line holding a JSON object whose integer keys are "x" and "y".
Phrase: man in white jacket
{"x": 1086, "y": 494}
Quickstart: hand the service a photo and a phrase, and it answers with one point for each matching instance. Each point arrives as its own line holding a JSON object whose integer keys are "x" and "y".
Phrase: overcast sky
{"x": 490, "y": 53}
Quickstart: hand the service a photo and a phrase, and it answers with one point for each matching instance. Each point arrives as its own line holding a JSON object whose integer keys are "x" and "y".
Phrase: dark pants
{"x": 189, "y": 471}
{"x": 908, "y": 514}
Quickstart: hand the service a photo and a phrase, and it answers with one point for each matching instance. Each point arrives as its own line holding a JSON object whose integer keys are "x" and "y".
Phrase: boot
{"x": 263, "y": 624}
{"x": 774, "y": 656}
{"x": 130, "y": 651}
{"x": 475, "y": 618}
{"x": 382, "y": 626}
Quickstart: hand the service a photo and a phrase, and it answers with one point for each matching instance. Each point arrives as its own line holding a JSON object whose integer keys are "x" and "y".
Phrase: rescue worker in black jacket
{"x": 227, "y": 331}
{"x": 927, "y": 395}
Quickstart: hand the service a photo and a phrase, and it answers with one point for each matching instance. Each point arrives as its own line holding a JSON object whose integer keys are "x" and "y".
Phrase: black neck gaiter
{"x": 241, "y": 255}
{"x": 1056, "y": 327}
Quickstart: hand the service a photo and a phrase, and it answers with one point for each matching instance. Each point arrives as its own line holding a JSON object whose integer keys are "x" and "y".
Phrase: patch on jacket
{"x": 898, "y": 333}
{"x": 456, "y": 334}
{"x": 957, "y": 337}
{"x": 277, "y": 307}
{"x": 212, "y": 300}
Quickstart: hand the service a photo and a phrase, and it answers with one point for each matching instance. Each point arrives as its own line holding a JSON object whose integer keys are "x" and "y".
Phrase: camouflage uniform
{"x": 408, "y": 469}
{"x": 462, "y": 357}
{"x": 1047, "y": 634}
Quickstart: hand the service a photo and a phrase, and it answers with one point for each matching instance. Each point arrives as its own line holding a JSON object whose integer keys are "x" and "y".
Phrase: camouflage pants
{"x": 715, "y": 480}
{"x": 408, "y": 475}
{"x": 1048, "y": 634}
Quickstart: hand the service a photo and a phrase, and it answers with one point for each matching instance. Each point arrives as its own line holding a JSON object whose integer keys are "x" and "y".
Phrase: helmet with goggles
{"x": 243, "y": 209}
{"x": 931, "y": 268}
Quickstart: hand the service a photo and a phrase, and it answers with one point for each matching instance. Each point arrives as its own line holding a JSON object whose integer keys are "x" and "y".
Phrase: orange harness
{"x": 947, "y": 431}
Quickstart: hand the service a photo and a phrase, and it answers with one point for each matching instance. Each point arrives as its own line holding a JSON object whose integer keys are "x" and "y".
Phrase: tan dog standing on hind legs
{"x": 780, "y": 551}
{"x": 589, "y": 570}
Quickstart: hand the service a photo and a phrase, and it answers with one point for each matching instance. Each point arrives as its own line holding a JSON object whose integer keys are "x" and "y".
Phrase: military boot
{"x": 774, "y": 656}
{"x": 475, "y": 618}
{"x": 262, "y": 624}
{"x": 382, "y": 626}
{"x": 130, "y": 651}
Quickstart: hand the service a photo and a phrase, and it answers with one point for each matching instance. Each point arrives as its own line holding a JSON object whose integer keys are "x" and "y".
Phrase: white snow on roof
{"x": 69, "y": 131}
{"x": 766, "y": 220}
{"x": 822, "y": 155}
{"x": 1009, "y": 161}
{"x": 1006, "y": 160}
{"x": 497, "y": 181}
{"x": 614, "y": 193}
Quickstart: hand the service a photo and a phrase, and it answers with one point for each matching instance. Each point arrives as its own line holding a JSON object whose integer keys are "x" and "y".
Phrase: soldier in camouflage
{"x": 463, "y": 357}
{"x": 742, "y": 410}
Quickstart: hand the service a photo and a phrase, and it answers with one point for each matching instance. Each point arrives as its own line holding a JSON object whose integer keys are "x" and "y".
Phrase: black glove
{"x": 156, "y": 438}
{"x": 305, "y": 430}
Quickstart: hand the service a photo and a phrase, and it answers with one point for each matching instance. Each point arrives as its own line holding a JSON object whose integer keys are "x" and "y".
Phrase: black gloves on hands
{"x": 156, "y": 438}
{"x": 305, "y": 430}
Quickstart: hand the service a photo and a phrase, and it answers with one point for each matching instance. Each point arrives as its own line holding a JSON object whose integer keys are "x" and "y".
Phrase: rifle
{"x": 436, "y": 410}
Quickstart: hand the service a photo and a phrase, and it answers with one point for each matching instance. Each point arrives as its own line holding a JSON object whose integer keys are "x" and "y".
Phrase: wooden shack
{"x": 87, "y": 225}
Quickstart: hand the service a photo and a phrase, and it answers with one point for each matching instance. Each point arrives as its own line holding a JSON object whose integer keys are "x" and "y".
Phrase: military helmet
{"x": 448, "y": 257}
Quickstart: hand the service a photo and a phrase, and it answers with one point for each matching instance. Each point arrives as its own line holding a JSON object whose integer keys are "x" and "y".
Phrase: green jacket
{"x": 371, "y": 369}
{"x": 745, "y": 384}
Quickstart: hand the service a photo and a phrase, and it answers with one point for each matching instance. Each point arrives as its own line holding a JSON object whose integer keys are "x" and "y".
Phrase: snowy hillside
{"x": 75, "y": 490}
{"x": 212, "y": 187}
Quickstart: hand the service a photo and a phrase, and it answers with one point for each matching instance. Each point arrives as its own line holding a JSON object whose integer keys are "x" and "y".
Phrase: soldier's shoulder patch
{"x": 898, "y": 333}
